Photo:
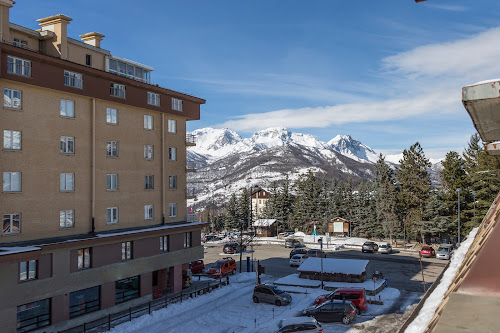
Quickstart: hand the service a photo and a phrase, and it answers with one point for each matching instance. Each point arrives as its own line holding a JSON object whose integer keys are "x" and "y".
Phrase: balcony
{"x": 190, "y": 193}
{"x": 191, "y": 217}
{"x": 190, "y": 167}
{"x": 191, "y": 140}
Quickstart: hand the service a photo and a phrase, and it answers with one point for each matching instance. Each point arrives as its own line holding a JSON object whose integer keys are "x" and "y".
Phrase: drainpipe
{"x": 93, "y": 168}
{"x": 162, "y": 168}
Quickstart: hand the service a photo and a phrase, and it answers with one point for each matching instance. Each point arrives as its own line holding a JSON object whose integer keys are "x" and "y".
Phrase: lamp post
{"x": 321, "y": 255}
{"x": 250, "y": 223}
{"x": 474, "y": 195}
{"x": 404, "y": 234}
{"x": 458, "y": 236}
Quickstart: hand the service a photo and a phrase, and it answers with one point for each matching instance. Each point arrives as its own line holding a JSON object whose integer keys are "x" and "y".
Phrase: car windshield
{"x": 217, "y": 265}
{"x": 297, "y": 257}
{"x": 444, "y": 249}
{"x": 383, "y": 245}
{"x": 278, "y": 290}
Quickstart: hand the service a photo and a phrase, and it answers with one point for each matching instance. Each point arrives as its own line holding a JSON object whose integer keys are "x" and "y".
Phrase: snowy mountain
{"x": 354, "y": 149}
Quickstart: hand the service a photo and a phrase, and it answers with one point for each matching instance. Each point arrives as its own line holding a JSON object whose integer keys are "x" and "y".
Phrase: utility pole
{"x": 458, "y": 236}
{"x": 474, "y": 195}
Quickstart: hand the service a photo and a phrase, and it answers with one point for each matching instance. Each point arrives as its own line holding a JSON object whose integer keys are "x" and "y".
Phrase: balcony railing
{"x": 190, "y": 193}
{"x": 191, "y": 217}
{"x": 191, "y": 139}
{"x": 191, "y": 167}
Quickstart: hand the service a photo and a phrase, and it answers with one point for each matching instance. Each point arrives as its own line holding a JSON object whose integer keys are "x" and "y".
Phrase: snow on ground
{"x": 231, "y": 309}
{"x": 427, "y": 312}
{"x": 330, "y": 265}
{"x": 294, "y": 280}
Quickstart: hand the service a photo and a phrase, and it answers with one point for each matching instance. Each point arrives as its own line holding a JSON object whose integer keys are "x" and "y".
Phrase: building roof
{"x": 264, "y": 222}
{"x": 332, "y": 266}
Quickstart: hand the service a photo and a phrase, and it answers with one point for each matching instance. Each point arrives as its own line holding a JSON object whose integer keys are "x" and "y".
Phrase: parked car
{"x": 292, "y": 243}
{"x": 234, "y": 248}
{"x": 297, "y": 260}
{"x": 335, "y": 310}
{"x": 209, "y": 238}
{"x": 196, "y": 266}
{"x": 427, "y": 251}
{"x": 222, "y": 267}
{"x": 270, "y": 293}
{"x": 444, "y": 251}
{"x": 298, "y": 251}
{"x": 355, "y": 295}
{"x": 385, "y": 248}
{"x": 299, "y": 324}
{"x": 369, "y": 247}
{"x": 315, "y": 253}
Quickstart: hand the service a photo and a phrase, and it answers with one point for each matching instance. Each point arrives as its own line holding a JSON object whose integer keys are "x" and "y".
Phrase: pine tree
{"x": 243, "y": 208}
{"x": 436, "y": 219}
{"x": 385, "y": 198}
{"x": 306, "y": 209}
{"x": 231, "y": 218}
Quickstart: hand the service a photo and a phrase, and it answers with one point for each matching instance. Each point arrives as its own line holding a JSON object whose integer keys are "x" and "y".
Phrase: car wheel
{"x": 358, "y": 311}
{"x": 278, "y": 302}
{"x": 346, "y": 320}
{"x": 234, "y": 271}
{"x": 255, "y": 299}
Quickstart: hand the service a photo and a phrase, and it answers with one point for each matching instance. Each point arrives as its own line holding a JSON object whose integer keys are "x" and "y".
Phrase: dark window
{"x": 88, "y": 59}
{"x": 83, "y": 301}
{"x": 33, "y": 315}
{"x": 163, "y": 243}
{"x": 126, "y": 289}
{"x": 149, "y": 182}
{"x": 187, "y": 239}
{"x": 84, "y": 258}
{"x": 155, "y": 278}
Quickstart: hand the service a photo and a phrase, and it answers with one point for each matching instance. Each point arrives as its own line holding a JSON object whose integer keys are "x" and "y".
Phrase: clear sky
{"x": 387, "y": 72}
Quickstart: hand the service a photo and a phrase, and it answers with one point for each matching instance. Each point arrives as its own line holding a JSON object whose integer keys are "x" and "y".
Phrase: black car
{"x": 292, "y": 243}
{"x": 369, "y": 247}
{"x": 234, "y": 248}
{"x": 335, "y": 310}
{"x": 315, "y": 253}
{"x": 209, "y": 238}
{"x": 297, "y": 251}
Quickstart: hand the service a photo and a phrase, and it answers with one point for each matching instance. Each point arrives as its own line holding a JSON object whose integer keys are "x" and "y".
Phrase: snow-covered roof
{"x": 17, "y": 249}
{"x": 332, "y": 266}
{"x": 264, "y": 222}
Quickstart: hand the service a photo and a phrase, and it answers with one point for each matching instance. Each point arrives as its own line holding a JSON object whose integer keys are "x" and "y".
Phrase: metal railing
{"x": 33, "y": 322}
{"x": 190, "y": 191}
{"x": 191, "y": 218}
{"x": 191, "y": 138}
{"x": 191, "y": 165}
{"x": 76, "y": 310}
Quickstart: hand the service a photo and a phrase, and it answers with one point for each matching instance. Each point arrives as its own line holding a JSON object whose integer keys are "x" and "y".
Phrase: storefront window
{"x": 126, "y": 289}
{"x": 33, "y": 315}
{"x": 83, "y": 301}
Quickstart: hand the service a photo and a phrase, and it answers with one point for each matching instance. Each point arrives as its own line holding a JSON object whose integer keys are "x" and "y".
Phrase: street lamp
{"x": 474, "y": 195}
{"x": 458, "y": 236}
{"x": 321, "y": 255}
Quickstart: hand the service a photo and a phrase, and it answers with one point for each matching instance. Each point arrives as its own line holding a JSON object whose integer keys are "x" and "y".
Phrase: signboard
{"x": 338, "y": 227}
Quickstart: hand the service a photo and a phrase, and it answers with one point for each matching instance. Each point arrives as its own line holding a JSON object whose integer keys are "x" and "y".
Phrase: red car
{"x": 356, "y": 295}
{"x": 427, "y": 251}
{"x": 197, "y": 266}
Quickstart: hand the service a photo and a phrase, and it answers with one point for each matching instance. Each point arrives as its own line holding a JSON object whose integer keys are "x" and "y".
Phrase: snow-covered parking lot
{"x": 231, "y": 309}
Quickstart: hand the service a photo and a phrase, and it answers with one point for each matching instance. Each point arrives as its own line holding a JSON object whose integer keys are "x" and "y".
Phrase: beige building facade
{"x": 93, "y": 161}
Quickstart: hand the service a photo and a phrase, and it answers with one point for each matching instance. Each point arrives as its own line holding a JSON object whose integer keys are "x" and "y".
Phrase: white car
{"x": 297, "y": 260}
{"x": 385, "y": 248}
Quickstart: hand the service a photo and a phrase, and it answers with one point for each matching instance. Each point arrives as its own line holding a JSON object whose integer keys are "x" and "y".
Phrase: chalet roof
{"x": 264, "y": 222}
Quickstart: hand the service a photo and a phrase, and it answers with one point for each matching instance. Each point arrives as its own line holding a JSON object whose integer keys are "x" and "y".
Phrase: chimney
{"x": 4, "y": 20}
{"x": 58, "y": 24}
{"x": 92, "y": 38}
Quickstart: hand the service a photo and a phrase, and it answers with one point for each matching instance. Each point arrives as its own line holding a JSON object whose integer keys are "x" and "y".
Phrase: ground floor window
{"x": 83, "y": 301}
{"x": 126, "y": 289}
{"x": 33, "y": 315}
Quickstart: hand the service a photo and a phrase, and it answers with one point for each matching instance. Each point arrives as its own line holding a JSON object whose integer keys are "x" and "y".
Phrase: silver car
{"x": 385, "y": 248}
{"x": 270, "y": 293}
{"x": 297, "y": 260}
{"x": 444, "y": 252}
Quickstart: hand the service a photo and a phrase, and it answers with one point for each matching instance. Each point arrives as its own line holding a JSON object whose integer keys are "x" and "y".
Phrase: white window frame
{"x": 176, "y": 104}
{"x": 66, "y": 219}
{"x": 117, "y": 90}
{"x": 172, "y": 210}
{"x": 12, "y": 182}
{"x": 188, "y": 239}
{"x": 72, "y": 79}
{"x": 12, "y": 218}
{"x": 148, "y": 152}
{"x": 111, "y": 215}
{"x": 23, "y": 43}
{"x": 148, "y": 122}
{"x": 28, "y": 270}
{"x": 67, "y": 182}
{"x": 127, "y": 250}
{"x": 172, "y": 182}
{"x": 12, "y": 98}
{"x": 149, "y": 179}
{"x": 112, "y": 148}
{"x": 12, "y": 140}
{"x": 172, "y": 126}
{"x": 112, "y": 182}
{"x": 18, "y": 66}
{"x": 111, "y": 116}
{"x": 172, "y": 154}
{"x": 149, "y": 212}
{"x": 66, "y": 147}
{"x": 67, "y": 108}
{"x": 153, "y": 99}
{"x": 164, "y": 244}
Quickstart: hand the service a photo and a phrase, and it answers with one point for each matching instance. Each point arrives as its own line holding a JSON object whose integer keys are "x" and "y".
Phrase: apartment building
{"x": 93, "y": 160}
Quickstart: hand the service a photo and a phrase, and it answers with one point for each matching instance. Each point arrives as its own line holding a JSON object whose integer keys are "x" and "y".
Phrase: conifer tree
{"x": 231, "y": 218}
{"x": 436, "y": 219}
{"x": 385, "y": 199}
{"x": 243, "y": 208}
{"x": 306, "y": 209}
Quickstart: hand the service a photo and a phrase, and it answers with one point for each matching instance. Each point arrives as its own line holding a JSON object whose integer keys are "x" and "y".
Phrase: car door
{"x": 338, "y": 311}
{"x": 324, "y": 312}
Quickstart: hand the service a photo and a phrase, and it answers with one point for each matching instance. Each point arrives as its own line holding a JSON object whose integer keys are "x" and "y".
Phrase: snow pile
{"x": 332, "y": 266}
{"x": 427, "y": 312}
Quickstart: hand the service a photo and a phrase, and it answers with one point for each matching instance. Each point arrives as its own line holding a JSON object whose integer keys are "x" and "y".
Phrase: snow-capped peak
{"x": 216, "y": 142}
{"x": 349, "y": 147}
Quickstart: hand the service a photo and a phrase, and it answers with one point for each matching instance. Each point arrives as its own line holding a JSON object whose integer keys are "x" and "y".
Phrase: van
{"x": 444, "y": 251}
{"x": 356, "y": 295}
{"x": 270, "y": 293}
{"x": 222, "y": 267}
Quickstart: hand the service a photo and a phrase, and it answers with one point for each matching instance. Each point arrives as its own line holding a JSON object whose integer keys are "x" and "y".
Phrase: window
{"x": 187, "y": 239}
{"x": 20, "y": 43}
{"x": 148, "y": 212}
{"x": 176, "y": 104}
{"x": 33, "y": 315}
{"x": 18, "y": 66}
{"x": 12, "y": 140}
{"x": 11, "y": 224}
{"x": 12, "y": 182}
{"x": 67, "y": 108}
{"x": 88, "y": 59}
{"x": 149, "y": 182}
{"x": 172, "y": 154}
{"x": 67, "y": 182}
{"x": 111, "y": 116}
{"x": 112, "y": 149}
{"x": 27, "y": 270}
{"x": 12, "y": 98}
{"x": 117, "y": 90}
{"x": 112, "y": 182}
{"x": 112, "y": 215}
{"x": 126, "y": 289}
{"x": 164, "y": 244}
{"x": 172, "y": 210}
{"x": 148, "y": 152}
{"x": 66, "y": 219}
{"x": 73, "y": 79}
{"x": 84, "y": 301}
{"x": 126, "y": 250}
{"x": 153, "y": 99}
{"x": 172, "y": 182}
{"x": 84, "y": 258}
{"x": 67, "y": 144}
{"x": 148, "y": 122}
{"x": 172, "y": 126}
{"x": 123, "y": 69}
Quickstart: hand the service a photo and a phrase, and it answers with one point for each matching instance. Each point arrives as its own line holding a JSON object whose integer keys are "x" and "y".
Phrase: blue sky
{"x": 387, "y": 72}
